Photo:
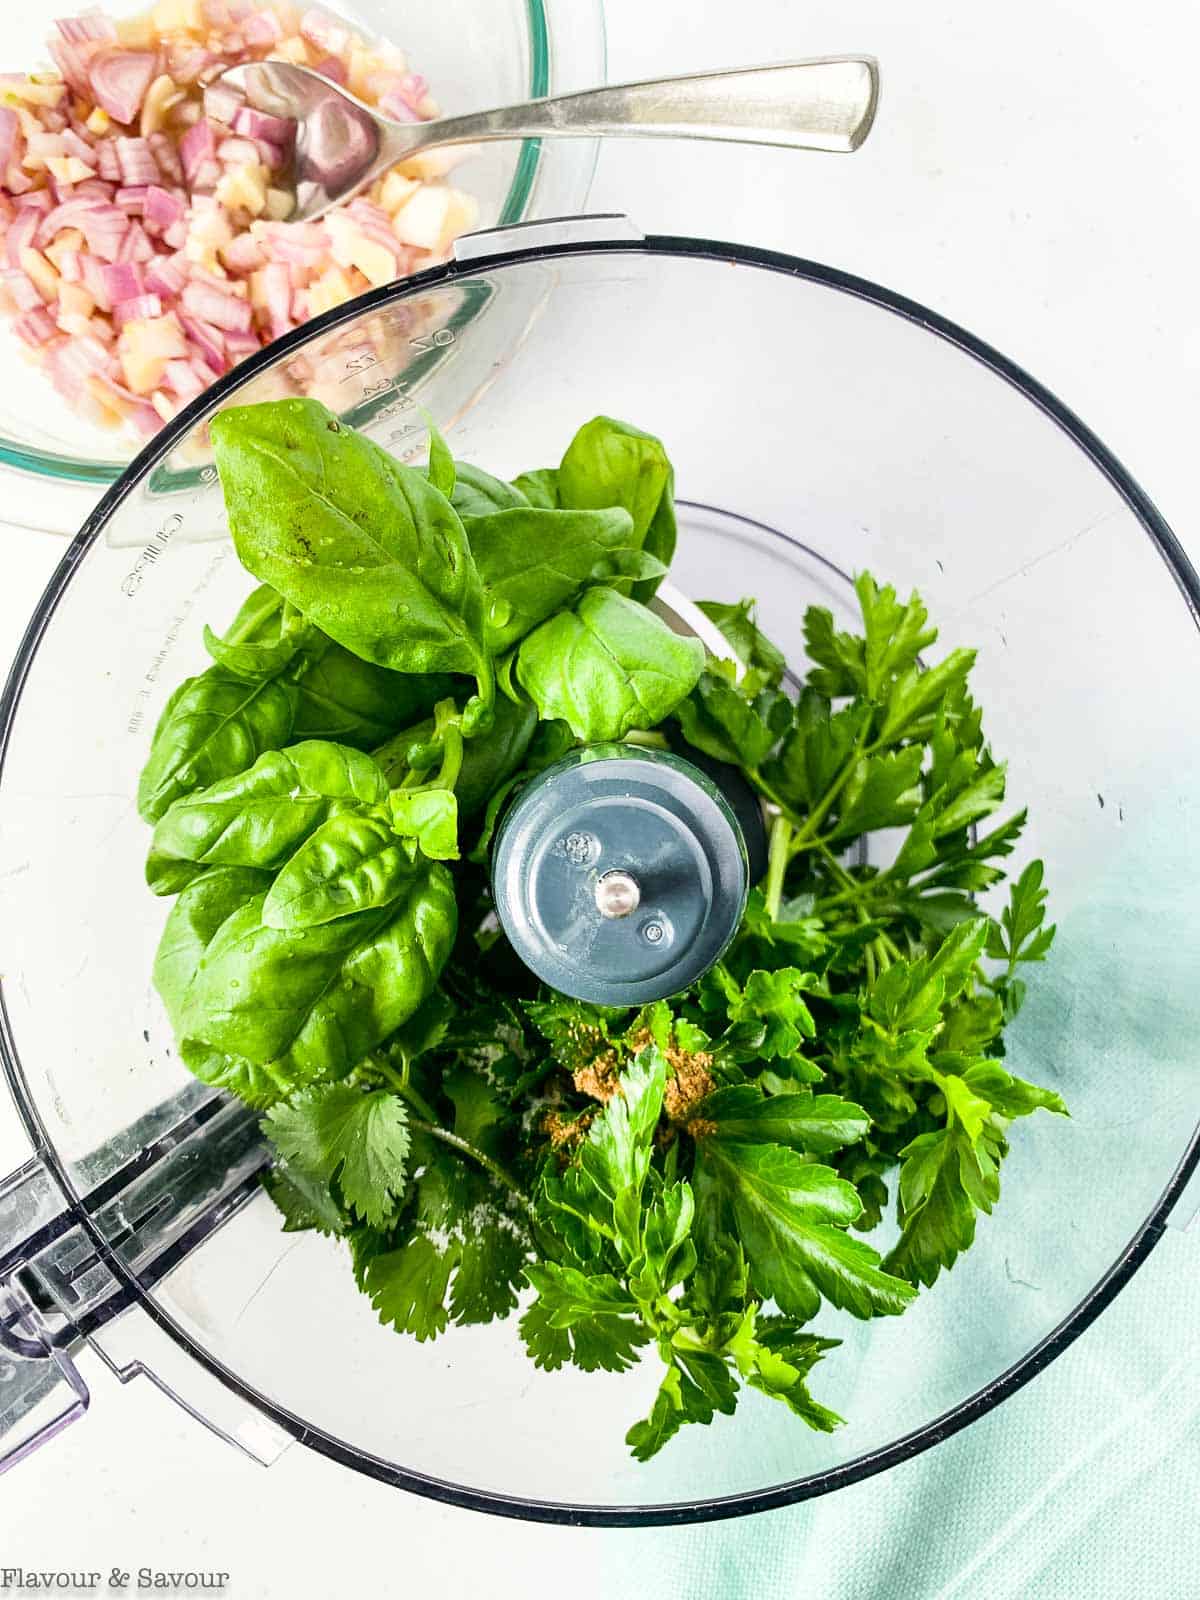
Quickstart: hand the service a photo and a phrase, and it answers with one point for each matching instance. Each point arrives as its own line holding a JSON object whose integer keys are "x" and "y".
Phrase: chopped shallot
{"x": 144, "y": 247}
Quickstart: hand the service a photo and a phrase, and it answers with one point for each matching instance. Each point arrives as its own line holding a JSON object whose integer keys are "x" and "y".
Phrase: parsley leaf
{"x": 1020, "y": 935}
{"x": 751, "y": 646}
{"x": 791, "y": 1217}
{"x": 818, "y": 1124}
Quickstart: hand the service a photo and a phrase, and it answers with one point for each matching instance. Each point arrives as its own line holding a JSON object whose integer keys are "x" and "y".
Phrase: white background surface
{"x": 1033, "y": 176}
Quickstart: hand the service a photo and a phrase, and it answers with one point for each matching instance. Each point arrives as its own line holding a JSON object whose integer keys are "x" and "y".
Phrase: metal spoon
{"x": 338, "y": 145}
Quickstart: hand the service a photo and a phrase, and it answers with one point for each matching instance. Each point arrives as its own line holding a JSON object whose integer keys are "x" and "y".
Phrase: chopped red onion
{"x": 39, "y": 200}
{"x": 181, "y": 379}
{"x": 187, "y": 67}
{"x": 22, "y": 290}
{"x": 78, "y": 147}
{"x": 165, "y": 276}
{"x": 393, "y": 104}
{"x": 141, "y": 308}
{"x": 69, "y": 269}
{"x": 161, "y": 208}
{"x": 237, "y": 152}
{"x": 93, "y": 25}
{"x": 136, "y": 245}
{"x": 35, "y": 327}
{"x": 240, "y": 345}
{"x": 222, "y": 102}
{"x": 136, "y": 158}
{"x": 71, "y": 60}
{"x": 326, "y": 32}
{"x": 122, "y": 281}
{"x": 107, "y": 164}
{"x": 94, "y": 281}
{"x": 277, "y": 293}
{"x": 132, "y": 201}
{"x": 253, "y": 124}
{"x": 165, "y": 153}
{"x": 208, "y": 341}
{"x": 119, "y": 80}
{"x": 20, "y": 235}
{"x": 262, "y": 29}
{"x": 175, "y": 237}
{"x": 10, "y": 133}
{"x": 216, "y": 306}
{"x": 243, "y": 254}
{"x": 333, "y": 68}
{"x": 196, "y": 147}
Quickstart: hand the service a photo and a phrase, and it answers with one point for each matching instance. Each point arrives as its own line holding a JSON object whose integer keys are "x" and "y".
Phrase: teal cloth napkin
{"x": 1085, "y": 1485}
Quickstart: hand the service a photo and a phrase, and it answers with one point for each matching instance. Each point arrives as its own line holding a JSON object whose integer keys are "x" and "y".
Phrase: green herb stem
{"x": 466, "y": 1148}
{"x": 777, "y": 863}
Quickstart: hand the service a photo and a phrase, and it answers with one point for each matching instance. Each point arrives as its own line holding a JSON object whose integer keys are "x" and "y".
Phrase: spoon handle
{"x": 823, "y": 104}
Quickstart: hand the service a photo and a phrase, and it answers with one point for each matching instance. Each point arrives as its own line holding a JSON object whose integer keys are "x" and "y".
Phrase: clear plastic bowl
{"x": 473, "y": 54}
{"x": 818, "y": 425}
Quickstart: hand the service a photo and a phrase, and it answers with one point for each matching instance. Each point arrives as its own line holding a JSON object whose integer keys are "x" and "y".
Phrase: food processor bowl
{"x": 474, "y": 55}
{"x": 819, "y": 425}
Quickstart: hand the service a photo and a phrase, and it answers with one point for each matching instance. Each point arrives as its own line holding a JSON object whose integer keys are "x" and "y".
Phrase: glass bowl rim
{"x": 673, "y": 1513}
{"x": 58, "y": 468}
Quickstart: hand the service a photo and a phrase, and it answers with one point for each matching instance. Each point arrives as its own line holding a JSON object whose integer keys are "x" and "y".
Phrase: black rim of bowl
{"x": 898, "y": 1450}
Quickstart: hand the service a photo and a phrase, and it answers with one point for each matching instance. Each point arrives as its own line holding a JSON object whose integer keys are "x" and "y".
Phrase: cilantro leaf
{"x": 338, "y": 1132}
{"x": 587, "y": 1319}
{"x": 408, "y": 1287}
{"x": 791, "y": 1218}
{"x": 306, "y": 1204}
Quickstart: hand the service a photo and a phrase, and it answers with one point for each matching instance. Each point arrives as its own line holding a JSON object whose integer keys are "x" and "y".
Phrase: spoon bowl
{"x": 334, "y": 144}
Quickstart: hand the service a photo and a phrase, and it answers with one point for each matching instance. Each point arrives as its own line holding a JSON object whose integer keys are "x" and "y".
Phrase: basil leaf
{"x": 265, "y": 637}
{"x": 488, "y": 760}
{"x": 192, "y": 925}
{"x": 532, "y": 563}
{"x": 366, "y": 548}
{"x": 340, "y": 696}
{"x": 430, "y": 816}
{"x": 441, "y": 471}
{"x": 258, "y": 818}
{"x": 350, "y": 863}
{"x": 610, "y": 463}
{"x": 540, "y": 487}
{"x": 310, "y": 1003}
{"x": 607, "y": 666}
{"x": 215, "y": 725}
{"x": 478, "y": 494}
